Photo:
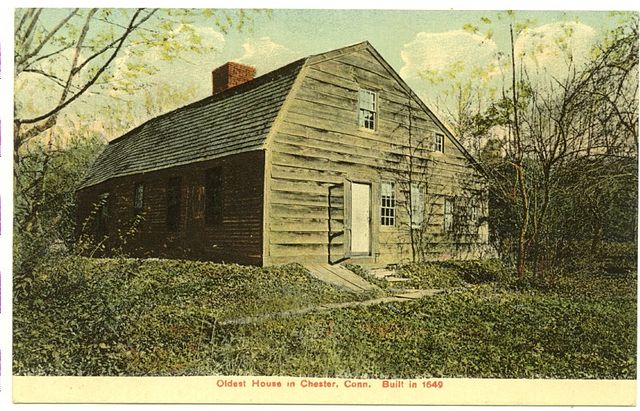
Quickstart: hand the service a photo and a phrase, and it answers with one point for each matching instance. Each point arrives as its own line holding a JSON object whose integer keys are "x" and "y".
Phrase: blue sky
{"x": 412, "y": 42}
{"x": 313, "y": 31}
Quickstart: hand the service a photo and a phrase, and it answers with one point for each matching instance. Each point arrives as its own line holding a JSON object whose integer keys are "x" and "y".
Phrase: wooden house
{"x": 331, "y": 158}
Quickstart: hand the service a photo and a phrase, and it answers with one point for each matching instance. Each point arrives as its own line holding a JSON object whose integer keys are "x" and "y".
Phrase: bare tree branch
{"x": 49, "y": 76}
{"x": 21, "y": 137}
{"x": 23, "y": 59}
{"x": 46, "y": 56}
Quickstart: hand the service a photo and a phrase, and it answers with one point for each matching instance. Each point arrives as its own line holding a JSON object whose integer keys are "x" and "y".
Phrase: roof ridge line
{"x": 249, "y": 84}
{"x": 219, "y": 96}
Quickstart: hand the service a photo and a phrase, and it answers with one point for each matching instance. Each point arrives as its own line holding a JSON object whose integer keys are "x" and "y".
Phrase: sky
{"x": 411, "y": 41}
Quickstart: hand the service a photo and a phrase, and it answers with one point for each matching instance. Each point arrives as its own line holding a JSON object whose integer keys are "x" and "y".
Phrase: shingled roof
{"x": 234, "y": 121}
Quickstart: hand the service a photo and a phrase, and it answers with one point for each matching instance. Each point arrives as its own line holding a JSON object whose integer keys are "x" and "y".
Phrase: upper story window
{"x": 439, "y": 143}
{"x": 387, "y": 204}
{"x": 138, "y": 198}
{"x": 368, "y": 106}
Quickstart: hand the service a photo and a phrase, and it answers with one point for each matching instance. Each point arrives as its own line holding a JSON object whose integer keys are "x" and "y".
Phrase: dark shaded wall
{"x": 236, "y": 237}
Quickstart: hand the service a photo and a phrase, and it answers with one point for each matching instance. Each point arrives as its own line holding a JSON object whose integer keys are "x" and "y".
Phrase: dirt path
{"x": 407, "y": 295}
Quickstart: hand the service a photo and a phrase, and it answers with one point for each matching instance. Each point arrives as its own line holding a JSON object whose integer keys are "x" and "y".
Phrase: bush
{"x": 447, "y": 274}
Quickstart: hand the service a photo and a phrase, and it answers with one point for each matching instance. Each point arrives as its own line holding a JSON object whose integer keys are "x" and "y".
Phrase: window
{"x": 439, "y": 143}
{"x": 448, "y": 214}
{"x": 388, "y": 204}
{"x": 197, "y": 202}
{"x": 417, "y": 205}
{"x": 173, "y": 203}
{"x": 213, "y": 197}
{"x": 367, "y": 109}
{"x": 102, "y": 217}
{"x": 138, "y": 198}
{"x": 474, "y": 214}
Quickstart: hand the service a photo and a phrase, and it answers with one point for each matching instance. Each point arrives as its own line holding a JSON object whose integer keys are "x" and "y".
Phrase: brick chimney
{"x": 230, "y": 75}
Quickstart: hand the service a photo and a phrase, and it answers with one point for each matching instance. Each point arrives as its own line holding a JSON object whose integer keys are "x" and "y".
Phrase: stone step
{"x": 381, "y": 273}
{"x": 397, "y": 279}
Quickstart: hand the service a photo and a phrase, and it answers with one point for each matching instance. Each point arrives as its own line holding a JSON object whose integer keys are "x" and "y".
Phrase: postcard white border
{"x": 202, "y": 389}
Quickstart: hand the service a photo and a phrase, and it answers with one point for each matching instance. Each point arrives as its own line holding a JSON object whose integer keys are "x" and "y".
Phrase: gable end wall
{"x": 318, "y": 148}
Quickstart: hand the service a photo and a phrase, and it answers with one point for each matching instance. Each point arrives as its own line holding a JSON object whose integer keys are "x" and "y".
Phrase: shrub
{"x": 447, "y": 274}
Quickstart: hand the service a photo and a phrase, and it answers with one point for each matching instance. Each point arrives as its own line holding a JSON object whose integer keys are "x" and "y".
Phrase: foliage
{"x": 163, "y": 317}
{"x": 582, "y": 328}
{"x": 68, "y": 55}
{"x": 44, "y": 204}
{"x": 447, "y": 274}
{"x": 563, "y": 175}
{"x": 110, "y": 316}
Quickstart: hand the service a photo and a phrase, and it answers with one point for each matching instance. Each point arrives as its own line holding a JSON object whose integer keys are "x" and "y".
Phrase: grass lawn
{"x": 131, "y": 317}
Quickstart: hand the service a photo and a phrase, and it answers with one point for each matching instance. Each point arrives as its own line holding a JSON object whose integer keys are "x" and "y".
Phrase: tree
{"x": 464, "y": 93}
{"x": 65, "y": 57}
{"x": 75, "y": 51}
{"x": 556, "y": 129}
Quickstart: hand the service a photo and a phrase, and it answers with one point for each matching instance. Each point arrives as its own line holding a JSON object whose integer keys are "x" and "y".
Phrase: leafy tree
{"x": 48, "y": 176}
{"x": 77, "y": 51}
{"x": 64, "y": 58}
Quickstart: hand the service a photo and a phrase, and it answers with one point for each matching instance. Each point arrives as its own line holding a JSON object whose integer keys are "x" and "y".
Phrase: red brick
{"x": 230, "y": 75}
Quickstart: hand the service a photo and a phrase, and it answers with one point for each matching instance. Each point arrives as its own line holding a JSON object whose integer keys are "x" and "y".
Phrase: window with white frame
{"x": 439, "y": 143}
{"x": 448, "y": 214}
{"x": 387, "y": 204}
{"x": 367, "y": 108}
{"x": 417, "y": 205}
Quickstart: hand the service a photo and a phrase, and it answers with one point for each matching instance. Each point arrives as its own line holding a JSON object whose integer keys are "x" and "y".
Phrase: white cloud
{"x": 211, "y": 37}
{"x": 189, "y": 70}
{"x": 443, "y": 51}
{"x": 266, "y": 55}
{"x": 548, "y": 47}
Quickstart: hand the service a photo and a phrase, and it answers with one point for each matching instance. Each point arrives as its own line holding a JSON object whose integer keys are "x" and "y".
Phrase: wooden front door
{"x": 360, "y": 219}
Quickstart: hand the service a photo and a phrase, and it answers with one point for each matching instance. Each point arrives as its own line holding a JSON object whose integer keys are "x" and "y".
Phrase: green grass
{"x": 94, "y": 316}
{"x": 481, "y": 332}
{"x": 130, "y": 317}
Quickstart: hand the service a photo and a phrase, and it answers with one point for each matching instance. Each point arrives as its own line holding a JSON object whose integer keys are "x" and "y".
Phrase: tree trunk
{"x": 522, "y": 230}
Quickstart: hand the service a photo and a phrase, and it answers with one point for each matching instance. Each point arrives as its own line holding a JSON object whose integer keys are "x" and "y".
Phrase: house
{"x": 330, "y": 158}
